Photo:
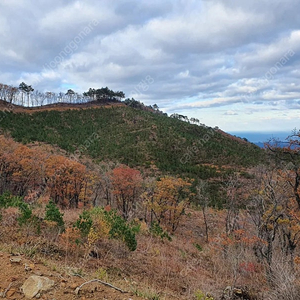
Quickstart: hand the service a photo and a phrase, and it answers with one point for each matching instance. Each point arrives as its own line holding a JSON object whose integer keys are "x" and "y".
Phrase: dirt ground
{"x": 14, "y": 274}
{"x": 6, "y": 107}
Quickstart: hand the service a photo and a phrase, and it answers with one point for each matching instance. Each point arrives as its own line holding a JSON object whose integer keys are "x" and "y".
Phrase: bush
{"x": 26, "y": 213}
{"x": 84, "y": 223}
{"x": 156, "y": 230}
{"x": 8, "y": 200}
{"x": 122, "y": 230}
{"x": 116, "y": 226}
{"x": 53, "y": 214}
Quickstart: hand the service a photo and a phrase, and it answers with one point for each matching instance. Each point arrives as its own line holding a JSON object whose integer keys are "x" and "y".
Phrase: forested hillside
{"x": 134, "y": 137}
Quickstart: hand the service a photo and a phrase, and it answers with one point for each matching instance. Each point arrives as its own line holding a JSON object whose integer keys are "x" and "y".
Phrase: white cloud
{"x": 202, "y": 55}
{"x": 230, "y": 113}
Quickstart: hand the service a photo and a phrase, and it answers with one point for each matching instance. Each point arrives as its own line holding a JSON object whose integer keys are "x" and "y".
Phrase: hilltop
{"x": 131, "y": 136}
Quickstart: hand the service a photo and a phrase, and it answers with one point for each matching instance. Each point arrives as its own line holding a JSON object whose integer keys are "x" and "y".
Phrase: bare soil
{"x": 13, "y": 275}
{"x": 7, "y": 107}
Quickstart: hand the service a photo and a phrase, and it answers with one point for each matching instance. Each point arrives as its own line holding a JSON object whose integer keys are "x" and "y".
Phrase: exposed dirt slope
{"x": 4, "y": 106}
{"x": 13, "y": 275}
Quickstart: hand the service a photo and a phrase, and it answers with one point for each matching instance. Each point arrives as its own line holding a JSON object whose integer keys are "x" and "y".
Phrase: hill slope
{"x": 133, "y": 137}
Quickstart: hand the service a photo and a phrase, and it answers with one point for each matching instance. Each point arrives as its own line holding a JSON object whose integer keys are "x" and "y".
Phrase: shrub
{"x": 156, "y": 230}
{"x": 26, "y": 213}
{"x": 122, "y": 230}
{"x": 53, "y": 214}
{"x": 200, "y": 295}
{"x": 8, "y": 200}
{"x": 115, "y": 226}
{"x": 84, "y": 223}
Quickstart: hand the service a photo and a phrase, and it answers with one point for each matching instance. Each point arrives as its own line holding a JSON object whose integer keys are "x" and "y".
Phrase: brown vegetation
{"x": 163, "y": 241}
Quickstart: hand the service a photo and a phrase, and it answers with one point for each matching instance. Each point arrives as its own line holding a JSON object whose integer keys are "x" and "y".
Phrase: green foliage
{"x": 53, "y": 214}
{"x": 147, "y": 294}
{"x": 135, "y": 138}
{"x": 198, "y": 247}
{"x": 122, "y": 230}
{"x": 84, "y": 223}
{"x": 26, "y": 213}
{"x": 8, "y": 200}
{"x": 118, "y": 227}
{"x": 200, "y": 295}
{"x": 101, "y": 274}
{"x": 156, "y": 230}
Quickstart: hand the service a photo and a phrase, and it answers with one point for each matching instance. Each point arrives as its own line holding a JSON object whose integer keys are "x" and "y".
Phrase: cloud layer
{"x": 229, "y": 64}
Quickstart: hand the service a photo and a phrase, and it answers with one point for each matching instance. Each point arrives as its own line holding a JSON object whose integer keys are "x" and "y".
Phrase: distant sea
{"x": 259, "y": 138}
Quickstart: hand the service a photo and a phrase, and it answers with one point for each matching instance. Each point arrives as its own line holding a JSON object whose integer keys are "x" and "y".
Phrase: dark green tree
{"x": 53, "y": 214}
{"x": 26, "y": 89}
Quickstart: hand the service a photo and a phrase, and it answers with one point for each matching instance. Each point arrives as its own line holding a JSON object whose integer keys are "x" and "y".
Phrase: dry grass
{"x": 158, "y": 269}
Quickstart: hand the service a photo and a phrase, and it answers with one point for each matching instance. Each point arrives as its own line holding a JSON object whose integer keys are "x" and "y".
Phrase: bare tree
{"x": 204, "y": 201}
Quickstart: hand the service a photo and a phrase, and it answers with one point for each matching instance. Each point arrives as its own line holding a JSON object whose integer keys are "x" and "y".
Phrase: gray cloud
{"x": 200, "y": 54}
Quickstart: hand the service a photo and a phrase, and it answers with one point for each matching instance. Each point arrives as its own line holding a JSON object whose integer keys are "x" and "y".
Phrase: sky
{"x": 231, "y": 64}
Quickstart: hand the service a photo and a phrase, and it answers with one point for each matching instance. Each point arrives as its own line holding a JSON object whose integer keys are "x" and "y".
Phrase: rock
{"x": 28, "y": 267}
{"x": 35, "y": 284}
{"x": 16, "y": 260}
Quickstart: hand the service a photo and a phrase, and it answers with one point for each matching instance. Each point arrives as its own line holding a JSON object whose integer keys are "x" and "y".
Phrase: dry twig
{"x": 100, "y": 281}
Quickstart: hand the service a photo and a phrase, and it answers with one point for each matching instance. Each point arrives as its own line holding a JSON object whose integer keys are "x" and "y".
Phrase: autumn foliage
{"x": 126, "y": 183}
{"x": 167, "y": 201}
{"x": 32, "y": 173}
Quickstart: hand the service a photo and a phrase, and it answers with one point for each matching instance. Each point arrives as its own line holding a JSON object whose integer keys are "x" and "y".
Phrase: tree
{"x": 233, "y": 202}
{"x": 53, "y": 214}
{"x": 65, "y": 179}
{"x": 274, "y": 208}
{"x": 204, "y": 201}
{"x": 8, "y": 92}
{"x": 265, "y": 210}
{"x": 70, "y": 93}
{"x": 91, "y": 93}
{"x": 126, "y": 183}
{"x": 288, "y": 156}
{"x": 284, "y": 191}
{"x": 168, "y": 201}
{"x": 26, "y": 89}
{"x": 11, "y": 93}
{"x": 21, "y": 168}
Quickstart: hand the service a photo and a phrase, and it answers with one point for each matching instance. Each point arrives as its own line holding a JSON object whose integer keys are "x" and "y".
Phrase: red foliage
{"x": 126, "y": 185}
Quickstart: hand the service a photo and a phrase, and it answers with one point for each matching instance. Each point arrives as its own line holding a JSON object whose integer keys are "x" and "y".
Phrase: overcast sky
{"x": 232, "y": 64}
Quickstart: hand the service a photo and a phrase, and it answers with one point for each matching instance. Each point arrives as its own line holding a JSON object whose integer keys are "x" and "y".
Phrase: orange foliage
{"x": 169, "y": 200}
{"x": 65, "y": 178}
{"x": 126, "y": 184}
{"x": 31, "y": 173}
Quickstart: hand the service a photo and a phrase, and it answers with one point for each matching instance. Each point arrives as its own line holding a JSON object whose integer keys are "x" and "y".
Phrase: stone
{"x": 28, "y": 267}
{"x": 16, "y": 260}
{"x": 36, "y": 284}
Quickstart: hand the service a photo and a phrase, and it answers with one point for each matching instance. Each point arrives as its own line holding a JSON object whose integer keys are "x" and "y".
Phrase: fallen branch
{"x": 100, "y": 281}
{"x": 4, "y": 294}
